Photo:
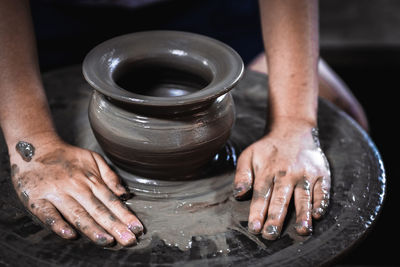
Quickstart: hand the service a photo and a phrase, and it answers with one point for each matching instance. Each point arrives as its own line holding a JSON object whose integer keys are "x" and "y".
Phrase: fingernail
{"x": 271, "y": 232}
{"x": 122, "y": 188}
{"x": 237, "y": 191}
{"x": 303, "y": 228}
{"x": 136, "y": 228}
{"x": 325, "y": 203}
{"x": 254, "y": 227}
{"x": 318, "y": 212}
{"x": 240, "y": 189}
{"x": 103, "y": 240}
{"x": 127, "y": 235}
{"x": 67, "y": 232}
{"x": 129, "y": 238}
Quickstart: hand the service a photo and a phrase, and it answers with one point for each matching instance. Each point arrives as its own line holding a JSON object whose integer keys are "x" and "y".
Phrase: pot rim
{"x": 222, "y": 61}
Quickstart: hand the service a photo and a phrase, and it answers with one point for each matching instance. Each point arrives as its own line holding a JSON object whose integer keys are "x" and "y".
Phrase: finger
{"x": 277, "y": 210}
{"x": 321, "y": 196}
{"x": 49, "y": 215}
{"x": 109, "y": 177}
{"x": 106, "y": 219}
{"x": 244, "y": 175}
{"x": 118, "y": 208}
{"x": 79, "y": 217}
{"x": 302, "y": 201}
{"x": 259, "y": 204}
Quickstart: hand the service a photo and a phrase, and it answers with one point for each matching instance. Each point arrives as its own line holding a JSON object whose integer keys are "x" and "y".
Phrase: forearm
{"x": 290, "y": 33}
{"x": 24, "y": 110}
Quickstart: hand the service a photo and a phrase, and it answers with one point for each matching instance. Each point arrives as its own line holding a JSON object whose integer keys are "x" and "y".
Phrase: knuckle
{"x": 101, "y": 210}
{"x": 262, "y": 193}
{"x": 261, "y": 169}
{"x": 266, "y": 179}
{"x": 78, "y": 185}
{"x": 279, "y": 201}
{"x": 113, "y": 199}
{"x": 281, "y": 172}
{"x": 79, "y": 213}
{"x": 48, "y": 211}
{"x": 303, "y": 198}
{"x": 272, "y": 218}
{"x": 94, "y": 181}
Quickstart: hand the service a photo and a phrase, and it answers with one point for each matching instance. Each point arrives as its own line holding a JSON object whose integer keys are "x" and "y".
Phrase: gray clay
{"x": 26, "y": 150}
{"x": 161, "y": 106}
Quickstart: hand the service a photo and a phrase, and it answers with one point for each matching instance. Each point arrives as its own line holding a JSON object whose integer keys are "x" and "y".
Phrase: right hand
{"x": 77, "y": 183}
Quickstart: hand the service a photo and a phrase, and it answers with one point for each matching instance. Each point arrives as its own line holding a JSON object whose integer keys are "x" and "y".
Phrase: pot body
{"x": 161, "y": 106}
{"x": 172, "y": 146}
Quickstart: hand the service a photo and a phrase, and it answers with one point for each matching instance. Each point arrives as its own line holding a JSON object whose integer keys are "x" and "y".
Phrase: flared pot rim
{"x": 221, "y": 61}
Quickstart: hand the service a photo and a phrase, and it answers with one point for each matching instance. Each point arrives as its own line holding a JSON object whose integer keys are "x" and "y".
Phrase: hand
{"x": 78, "y": 184}
{"x": 286, "y": 160}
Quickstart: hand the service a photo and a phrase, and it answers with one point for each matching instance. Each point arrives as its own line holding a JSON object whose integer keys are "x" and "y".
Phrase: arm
{"x": 288, "y": 160}
{"x": 51, "y": 177}
{"x": 290, "y": 32}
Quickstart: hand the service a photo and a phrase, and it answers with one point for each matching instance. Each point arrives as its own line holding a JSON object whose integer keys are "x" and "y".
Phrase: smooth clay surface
{"x": 197, "y": 222}
{"x": 161, "y": 107}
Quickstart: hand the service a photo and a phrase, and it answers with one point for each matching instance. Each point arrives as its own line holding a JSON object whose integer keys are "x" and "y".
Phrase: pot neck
{"x": 164, "y": 111}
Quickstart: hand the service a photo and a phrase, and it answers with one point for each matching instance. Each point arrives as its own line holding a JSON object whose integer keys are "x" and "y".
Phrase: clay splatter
{"x": 26, "y": 150}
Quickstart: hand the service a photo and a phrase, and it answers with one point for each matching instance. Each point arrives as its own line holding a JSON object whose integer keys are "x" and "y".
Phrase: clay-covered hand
{"x": 58, "y": 182}
{"x": 288, "y": 160}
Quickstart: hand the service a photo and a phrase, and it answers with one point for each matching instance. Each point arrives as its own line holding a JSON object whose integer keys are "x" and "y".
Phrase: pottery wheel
{"x": 358, "y": 188}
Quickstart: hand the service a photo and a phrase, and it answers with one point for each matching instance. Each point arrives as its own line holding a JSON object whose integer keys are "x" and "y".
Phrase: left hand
{"x": 286, "y": 160}
{"x": 63, "y": 183}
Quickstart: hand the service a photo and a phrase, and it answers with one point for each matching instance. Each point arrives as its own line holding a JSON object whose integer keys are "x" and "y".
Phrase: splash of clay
{"x": 26, "y": 150}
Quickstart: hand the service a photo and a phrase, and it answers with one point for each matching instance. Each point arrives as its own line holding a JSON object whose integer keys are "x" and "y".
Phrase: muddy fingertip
{"x": 127, "y": 239}
{"x": 318, "y": 213}
{"x": 104, "y": 240}
{"x": 241, "y": 191}
{"x": 271, "y": 232}
{"x": 136, "y": 228}
{"x": 68, "y": 233}
{"x": 303, "y": 228}
{"x": 254, "y": 227}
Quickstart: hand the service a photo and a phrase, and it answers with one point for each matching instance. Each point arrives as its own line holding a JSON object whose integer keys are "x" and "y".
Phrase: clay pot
{"x": 161, "y": 106}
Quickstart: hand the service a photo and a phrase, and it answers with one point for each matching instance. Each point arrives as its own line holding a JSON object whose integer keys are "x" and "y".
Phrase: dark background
{"x": 360, "y": 40}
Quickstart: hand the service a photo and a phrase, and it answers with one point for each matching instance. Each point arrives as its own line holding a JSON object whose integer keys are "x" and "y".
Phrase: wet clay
{"x": 199, "y": 223}
{"x": 177, "y": 212}
{"x": 26, "y": 150}
{"x": 162, "y": 108}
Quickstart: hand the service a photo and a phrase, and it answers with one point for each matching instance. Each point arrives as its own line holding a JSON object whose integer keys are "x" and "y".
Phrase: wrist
{"x": 286, "y": 121}
{"x": 36, "y": 139}
{"x": 286, "y": 126}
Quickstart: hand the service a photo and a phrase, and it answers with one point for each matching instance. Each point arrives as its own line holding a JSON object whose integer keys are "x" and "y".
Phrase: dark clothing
{"x": 67, "y": 31}
{"x": 108, "y": 3}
